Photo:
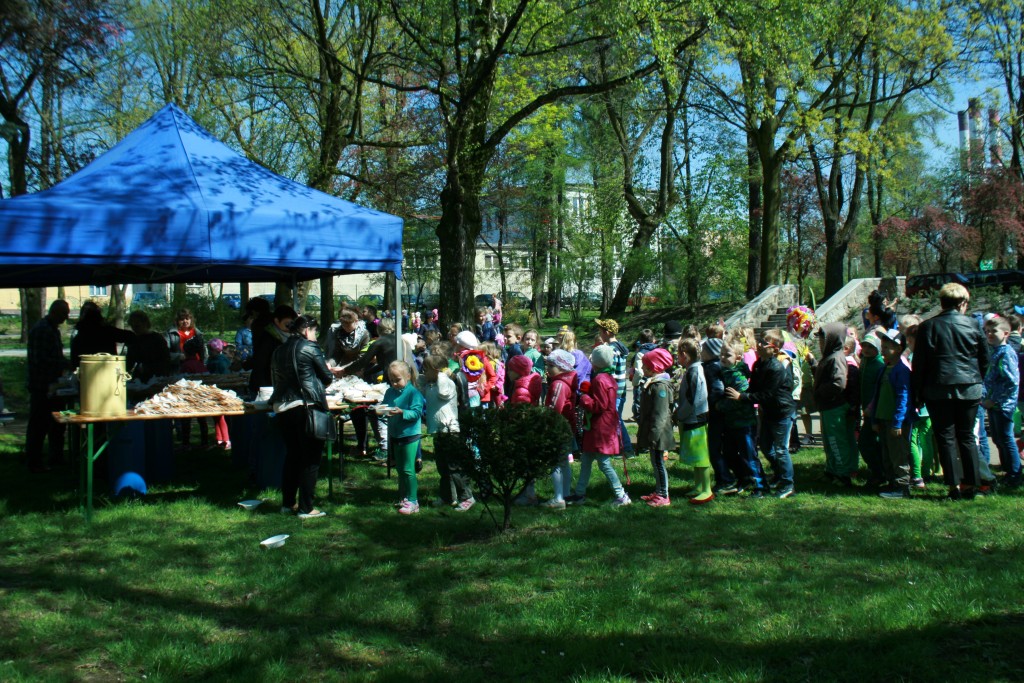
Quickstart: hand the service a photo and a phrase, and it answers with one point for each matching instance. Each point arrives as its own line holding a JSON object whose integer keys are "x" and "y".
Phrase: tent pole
{"x": 398, "y": 317}
{"x": 295, "y": 292}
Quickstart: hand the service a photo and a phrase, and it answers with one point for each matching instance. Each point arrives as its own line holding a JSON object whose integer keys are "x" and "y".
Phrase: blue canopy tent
{"x": 171, "y": 203}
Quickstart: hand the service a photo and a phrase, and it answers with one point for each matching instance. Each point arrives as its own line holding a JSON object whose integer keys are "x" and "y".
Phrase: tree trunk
{"x": 772, "y": 201}
{"x": 327, "y": 316}
{"x": 457, "y": 232}
{"x": 633, "y": 269}
{"x": 754, "y": 211}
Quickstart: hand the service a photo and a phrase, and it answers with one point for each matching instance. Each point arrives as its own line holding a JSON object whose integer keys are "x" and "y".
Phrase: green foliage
{"x": 513, "y": 446}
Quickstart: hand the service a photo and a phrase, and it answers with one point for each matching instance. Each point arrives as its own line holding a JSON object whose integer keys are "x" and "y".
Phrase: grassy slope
{"x": 825, "y": 586}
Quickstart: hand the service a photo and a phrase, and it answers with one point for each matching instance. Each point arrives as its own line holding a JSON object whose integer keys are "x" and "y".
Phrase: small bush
{"x": 513, "y": 446}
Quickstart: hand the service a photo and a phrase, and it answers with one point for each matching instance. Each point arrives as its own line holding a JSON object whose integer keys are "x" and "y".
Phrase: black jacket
{"x": 716, "y": 386}
{"x": 771, "y": 387}
{"x": 831, "y": 377}
{"x": 950, "y": 351}
{"x": 265, "y": 341}
{"x": 376, "y": 359}
{"x": 299, "y": 372}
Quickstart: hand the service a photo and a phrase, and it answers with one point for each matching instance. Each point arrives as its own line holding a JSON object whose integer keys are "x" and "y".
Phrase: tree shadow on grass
{"x": 445, "y": 624}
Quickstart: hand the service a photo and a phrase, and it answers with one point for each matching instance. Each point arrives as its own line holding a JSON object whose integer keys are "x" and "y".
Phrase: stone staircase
{"x": 768, "y": 310}
{"x": 775, "y": 321}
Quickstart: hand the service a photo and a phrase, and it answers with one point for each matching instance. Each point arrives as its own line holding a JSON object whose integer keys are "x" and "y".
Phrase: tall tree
{"x": 471, "y": 58}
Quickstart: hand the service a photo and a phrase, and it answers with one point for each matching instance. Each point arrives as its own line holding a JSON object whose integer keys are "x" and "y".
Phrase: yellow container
{"x": 102, "y": 379}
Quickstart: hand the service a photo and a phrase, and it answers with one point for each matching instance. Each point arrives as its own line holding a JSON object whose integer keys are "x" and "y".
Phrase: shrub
{"x": 503, "y": 450}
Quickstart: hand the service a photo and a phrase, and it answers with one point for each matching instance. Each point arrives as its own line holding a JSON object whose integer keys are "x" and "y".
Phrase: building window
{"x": 490, "y": 261}
{"x": 97, "y": 291}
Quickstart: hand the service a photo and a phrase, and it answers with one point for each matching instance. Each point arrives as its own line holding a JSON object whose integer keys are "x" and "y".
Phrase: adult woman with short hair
{"x": 950, "y": 359}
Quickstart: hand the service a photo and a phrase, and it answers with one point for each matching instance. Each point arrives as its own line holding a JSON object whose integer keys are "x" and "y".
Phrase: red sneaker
{"x": 659, "y": 502}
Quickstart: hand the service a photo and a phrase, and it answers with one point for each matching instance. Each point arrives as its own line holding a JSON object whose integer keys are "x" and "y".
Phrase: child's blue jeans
{"x": 1002, "y": 434}
{"x": 604, "y": 464}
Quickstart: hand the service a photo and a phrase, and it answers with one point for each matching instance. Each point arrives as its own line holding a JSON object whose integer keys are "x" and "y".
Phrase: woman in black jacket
{"x": 300, "y": 377}
{"x": 950, "y": 360}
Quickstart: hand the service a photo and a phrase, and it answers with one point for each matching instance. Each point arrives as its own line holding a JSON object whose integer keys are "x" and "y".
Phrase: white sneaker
{"x": 622, "y": 501}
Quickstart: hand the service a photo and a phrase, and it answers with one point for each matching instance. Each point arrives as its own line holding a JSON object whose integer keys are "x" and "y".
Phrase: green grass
{"x": 828, "y": 585}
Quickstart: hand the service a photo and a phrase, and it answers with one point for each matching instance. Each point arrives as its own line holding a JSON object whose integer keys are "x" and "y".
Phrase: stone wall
{"x": 854, "y": 296}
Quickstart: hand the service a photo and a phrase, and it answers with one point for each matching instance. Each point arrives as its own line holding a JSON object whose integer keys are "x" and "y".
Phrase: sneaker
{"x": 649, "y": 496}
{"x": 1012, "y": 481}
{"x": 379, "y": 456}
{"x": 410, "y": 508}
{"x": 553, "y": 504}
{"x": 756, "y": 494}
{"x": 576, "y": 499}
{"x": 784, "y": 491}
{"x": 918, "y": 483}
{"x": 726, "y": 490}
{"x": 464, "y": 505}
{"x": 622, "y": 501}
{"x": 775, "y": 483}
{"x": 659, "y": 502}
{"x": 312, "y": 514}
{"x": 985, "y": 490}
{"x": 402, "y": 503}
{"x": 526, "y": 501}
{"x": 895, "y": 493}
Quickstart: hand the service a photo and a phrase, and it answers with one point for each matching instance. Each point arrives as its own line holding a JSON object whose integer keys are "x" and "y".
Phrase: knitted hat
{"x": 467, "y": 340}
{"x": 657, "y": 360}
{"x": 673, "y": 329}
{"x": 602, "y": 356}
{"x": 561, "y": 359}
{"x": 713, "y": 346}
{"x": 608, "y": 324}
{"x": 521, "y": 365}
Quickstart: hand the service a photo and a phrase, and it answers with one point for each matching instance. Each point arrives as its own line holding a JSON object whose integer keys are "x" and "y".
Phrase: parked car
{"x": 149, "y": 300}
{"x": 233, "y": 301}
{"x": 371, "y": 300}
{"x": 1005, "y": 279}
{"x": 517, "y": 299}
{"x": 346, "y": 300}
{"x": 484, "y": 300}
{"x": 312, "y": 302}
{"x": 917, "y": 284}
{"x": 268, "y": 297}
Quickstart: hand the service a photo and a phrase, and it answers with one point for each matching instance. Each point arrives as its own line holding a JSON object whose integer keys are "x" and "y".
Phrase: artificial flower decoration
{"x": 801, "y": 321}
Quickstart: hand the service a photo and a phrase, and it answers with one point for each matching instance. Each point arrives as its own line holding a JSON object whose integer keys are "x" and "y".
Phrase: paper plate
{"x": 274, "y": 541}
{"x": 250, "y": 504}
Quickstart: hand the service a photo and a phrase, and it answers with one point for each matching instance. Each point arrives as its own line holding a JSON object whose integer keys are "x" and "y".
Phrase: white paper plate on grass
{"x": 274, "y": 541}
{"x": 250, "y": 504}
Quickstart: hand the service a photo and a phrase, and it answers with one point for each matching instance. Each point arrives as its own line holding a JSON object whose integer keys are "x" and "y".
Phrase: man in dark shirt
{"x": 46, "y": 363}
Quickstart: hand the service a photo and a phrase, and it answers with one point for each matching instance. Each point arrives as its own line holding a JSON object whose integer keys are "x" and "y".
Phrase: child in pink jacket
{"x": 526, "y": 383}
{"x": 601, "y": 438}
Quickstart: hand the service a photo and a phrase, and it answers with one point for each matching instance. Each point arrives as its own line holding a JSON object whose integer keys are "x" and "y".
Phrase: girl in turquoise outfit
{"x": 405, "y": 418}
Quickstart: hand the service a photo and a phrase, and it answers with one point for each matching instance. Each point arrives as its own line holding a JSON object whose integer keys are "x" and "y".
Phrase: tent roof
{"x": 171, "y": 203}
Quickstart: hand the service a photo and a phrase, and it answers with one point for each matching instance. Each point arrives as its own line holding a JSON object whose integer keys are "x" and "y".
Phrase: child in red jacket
{"x": 601, "y": 438}
{"x": 561, "y": 398}
{"x": 526, "y": 384}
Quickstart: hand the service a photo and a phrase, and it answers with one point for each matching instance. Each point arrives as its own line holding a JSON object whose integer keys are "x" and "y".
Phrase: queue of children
{"x": 718, "y": 399}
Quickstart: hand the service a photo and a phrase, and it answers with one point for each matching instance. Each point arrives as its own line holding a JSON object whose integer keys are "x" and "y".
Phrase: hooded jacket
{"x": 654, "y": 426}
{"x": 830, "y": 377}
{"x": 603, "y": 435}
{"x": 562, "y": 397}
{"x": 526, "y": 388}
